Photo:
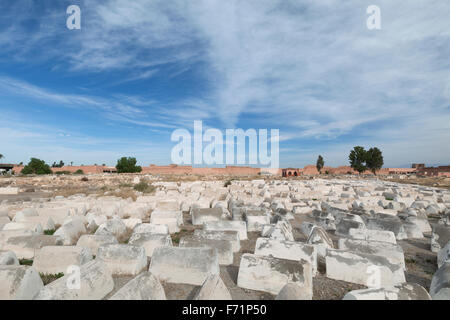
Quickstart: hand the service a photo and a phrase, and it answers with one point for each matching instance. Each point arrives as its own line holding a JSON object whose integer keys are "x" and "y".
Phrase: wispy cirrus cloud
{"x": 310, "y": 68}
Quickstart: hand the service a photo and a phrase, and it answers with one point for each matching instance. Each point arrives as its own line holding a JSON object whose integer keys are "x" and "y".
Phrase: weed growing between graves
{"x": 228, "y": 183}
{"x": 125, "y": 185}
{"x": 178, "y": 235}
{"x": 144, "y": 187}
{"x": 410, "y": 260}
{"x": 26, "y": 262}
{"x": 47, "y": 278}
{"x": 49, "y": 232}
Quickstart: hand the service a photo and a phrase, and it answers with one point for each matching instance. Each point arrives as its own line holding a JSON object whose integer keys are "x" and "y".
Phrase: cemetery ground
{"x": 403, "y": 221}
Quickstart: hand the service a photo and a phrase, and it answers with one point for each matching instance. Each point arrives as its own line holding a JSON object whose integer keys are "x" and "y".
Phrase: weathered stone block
{"x": 443, "y": 255}
{"x": 270, "y": 274}
{"x": 366, "y": 269}
{"x": 403, "y": 291}
{"x": 293, "y": 291}
{"x": 56, "y": 259}
{"x": 392, "y": 252}
{"x": 440, "y": 237}
{"x": 93, "y": 241}
{"x": 213, "y": 289}
{"x": 151, "y": 228}
{"x": 114, "y": 227}
{"x": 173, "y": 219}
{"x": 95, "y": 283}
{"x": 19, "y": 283}
{"x": 8, "y": 258}
{"x": 150, "y": 241}
{"x": 440, "y": 284}
{"x": 289, "y": 250}
{"x": 184, "y": 265}
{"x": 223, "y": 247}
{"x": 123, "y": 259}
{"x": 144, "y": 287}
{"x": 239, "y": 226}
{"x": 372, "y": 235}
{"x": 202, "y": 215}
{"x": 231, "y": 236}
{"x": 26, "y": 247}
{"x": 71, "y": 231}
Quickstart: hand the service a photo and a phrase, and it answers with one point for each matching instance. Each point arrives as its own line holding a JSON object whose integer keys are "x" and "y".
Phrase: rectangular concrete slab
{"x": 289, "y": 250}
{"x": 95, "y": 283}
{"x": 392, "y": 252}
{"x": 270, "y": 274}
{"x": 26, "y": 247}
{"x": 239, "y": 226}
{"x": 184, "y": 265}
{"x": 231, "y": 236}
{"x": 366, "y": 269}
{"x": 123, "y": 259}
{"x": 57, "y": 259}
{"x": 223, "y": 247}
{"x": 150, "y": 241}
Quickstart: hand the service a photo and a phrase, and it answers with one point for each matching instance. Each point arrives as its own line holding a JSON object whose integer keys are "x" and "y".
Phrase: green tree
{"x": 374, "y": 159}
{"x": 36, "y": 166}
{"x": 1, "y": 156}
{"x": 320, "y": 163}
{"x": 127, "y": 165}
{"x": 58, "y": 165}
{"x": 358, "y": 158}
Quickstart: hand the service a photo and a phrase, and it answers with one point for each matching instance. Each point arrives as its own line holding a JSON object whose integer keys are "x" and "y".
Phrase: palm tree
{"x": 1, "y": 156}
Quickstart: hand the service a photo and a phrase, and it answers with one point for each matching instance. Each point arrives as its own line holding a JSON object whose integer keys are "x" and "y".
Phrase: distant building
{"x": 86, "y": 169}
{"x": 291, "y": 172}
{"x": 6, "y": 168}
{"x": 441, "y": 171}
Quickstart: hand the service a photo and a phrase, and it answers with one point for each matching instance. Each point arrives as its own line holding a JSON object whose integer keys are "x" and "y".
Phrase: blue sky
{"x": 138, "y": 70}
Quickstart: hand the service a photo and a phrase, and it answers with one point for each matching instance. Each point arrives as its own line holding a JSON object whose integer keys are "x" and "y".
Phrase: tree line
{"x": 360, "y": 160}
{"x": 38, "y": 166}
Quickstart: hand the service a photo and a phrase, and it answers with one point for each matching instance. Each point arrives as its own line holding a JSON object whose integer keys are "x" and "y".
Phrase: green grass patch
{"x": 48, "y": 278}
{"x": 26, "y": 262}
{"x": 178, "y": 235}
{"x": 125, "y": 185}
{"x": 49, "y": 232}
{"x": 144, "y": 187}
